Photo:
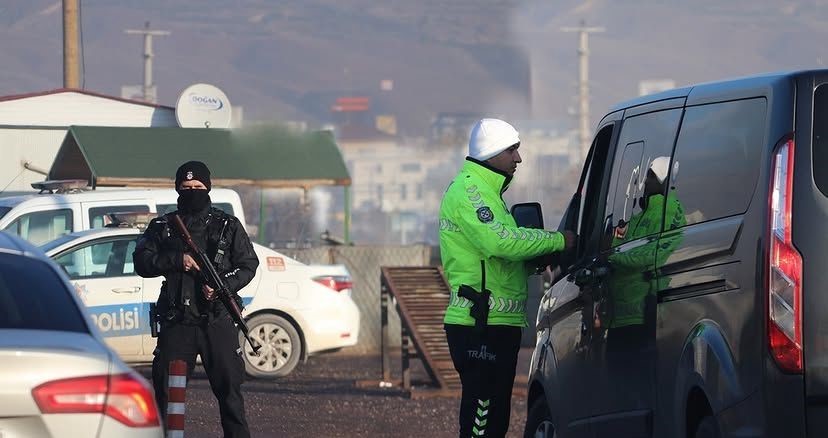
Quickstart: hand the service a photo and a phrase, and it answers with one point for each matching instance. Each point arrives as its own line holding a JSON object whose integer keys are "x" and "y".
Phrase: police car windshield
{"x": 52, "y": 244}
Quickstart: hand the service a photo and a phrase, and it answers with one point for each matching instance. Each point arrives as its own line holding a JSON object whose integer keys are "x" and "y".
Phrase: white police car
{"x": 293, "y": 310}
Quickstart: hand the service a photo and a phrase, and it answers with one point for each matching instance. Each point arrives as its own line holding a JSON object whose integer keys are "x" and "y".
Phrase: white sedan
{"x": 58, "y": 377}
{"x": 293, "y": 309}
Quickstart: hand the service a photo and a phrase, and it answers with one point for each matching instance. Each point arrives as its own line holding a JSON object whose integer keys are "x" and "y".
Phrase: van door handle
{"x": 589, "y": 275}
{"x": 126, "y": 290}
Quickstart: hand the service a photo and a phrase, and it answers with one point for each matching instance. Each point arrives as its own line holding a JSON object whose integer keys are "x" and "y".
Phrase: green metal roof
{"x": 148, "y": 157}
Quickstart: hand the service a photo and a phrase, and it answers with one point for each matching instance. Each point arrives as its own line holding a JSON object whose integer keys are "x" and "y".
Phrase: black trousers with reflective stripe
{"x": 486, "y": 363}
{"x": 217, "y": 343}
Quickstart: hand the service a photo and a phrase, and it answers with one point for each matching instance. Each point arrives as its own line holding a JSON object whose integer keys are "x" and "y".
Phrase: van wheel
{"x": 280, "y": 347}
{"x": 707, "y": 428}
{"x": 539, "y": 421}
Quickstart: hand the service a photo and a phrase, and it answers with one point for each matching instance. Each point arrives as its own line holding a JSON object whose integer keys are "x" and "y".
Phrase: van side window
{"x": 627, "y": 187}
{"x": 820, "y": 137}
{"x": 42, "y": 226}
{"x": 593, "y": 190}
{"x": 717, "y": 157}
{"x": 98, "y": 218}
{"x": 635, "y": 201}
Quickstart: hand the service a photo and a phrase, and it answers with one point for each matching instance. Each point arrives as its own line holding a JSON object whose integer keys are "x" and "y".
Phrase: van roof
{"x": 102, "y": 194}
{"x": 727, "y": 89}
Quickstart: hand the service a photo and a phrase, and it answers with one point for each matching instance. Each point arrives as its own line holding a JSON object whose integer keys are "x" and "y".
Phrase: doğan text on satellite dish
{"x": 206, "y": 102}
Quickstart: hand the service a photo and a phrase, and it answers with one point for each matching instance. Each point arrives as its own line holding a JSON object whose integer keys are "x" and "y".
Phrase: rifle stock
{"x": 214, "y": 280}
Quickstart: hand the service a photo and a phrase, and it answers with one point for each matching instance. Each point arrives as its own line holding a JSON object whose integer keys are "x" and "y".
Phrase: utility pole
{"x": 149, "y": 88}
{"x": 583, "y": 83}
{"x": 71, "y": 78}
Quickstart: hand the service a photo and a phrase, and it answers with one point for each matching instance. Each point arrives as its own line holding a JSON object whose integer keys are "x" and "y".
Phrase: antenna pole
{"x": 71, "y": 76}
{"x": 150, "y": 94}
{"x": 583, "y": 83}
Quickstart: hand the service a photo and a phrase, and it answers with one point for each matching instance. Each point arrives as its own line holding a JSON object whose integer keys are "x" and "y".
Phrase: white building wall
{"x": 38, "y": 147}
{"x": 390, "y": 176}
{"x": 72, "y": 108}
{"x": 33, "y": 128}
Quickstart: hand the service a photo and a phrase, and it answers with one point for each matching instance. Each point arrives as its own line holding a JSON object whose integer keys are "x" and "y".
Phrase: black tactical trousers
{"x": 486, "y": 363}
{"x": 218, "y": 345}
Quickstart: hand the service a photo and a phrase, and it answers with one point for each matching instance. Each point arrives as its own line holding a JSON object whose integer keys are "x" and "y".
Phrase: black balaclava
{"x": 193, "y": 200}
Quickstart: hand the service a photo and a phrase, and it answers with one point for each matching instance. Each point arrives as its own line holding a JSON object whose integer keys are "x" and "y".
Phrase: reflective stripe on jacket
{"x": 475, "y": 225}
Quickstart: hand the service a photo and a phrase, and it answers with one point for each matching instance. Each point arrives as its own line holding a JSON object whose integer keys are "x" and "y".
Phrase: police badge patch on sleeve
{"x": 485, "y": 214}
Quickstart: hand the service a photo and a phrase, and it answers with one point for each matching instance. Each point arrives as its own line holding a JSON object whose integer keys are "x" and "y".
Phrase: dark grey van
{"x": 696, "y": 303}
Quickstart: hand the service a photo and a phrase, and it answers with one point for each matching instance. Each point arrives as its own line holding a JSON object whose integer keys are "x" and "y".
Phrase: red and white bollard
{"x": 176, "y": 389}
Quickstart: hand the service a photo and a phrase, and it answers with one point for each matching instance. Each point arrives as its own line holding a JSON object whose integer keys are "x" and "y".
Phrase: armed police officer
{"x": 193, "y": 321}
{"x": 483, "y": 254}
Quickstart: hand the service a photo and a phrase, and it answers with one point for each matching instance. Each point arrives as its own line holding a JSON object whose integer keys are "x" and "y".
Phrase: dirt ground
{"x": 320, "y": 399}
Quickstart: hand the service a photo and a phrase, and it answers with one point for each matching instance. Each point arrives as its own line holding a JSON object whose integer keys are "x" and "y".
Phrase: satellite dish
{"x": 202, "y": 106}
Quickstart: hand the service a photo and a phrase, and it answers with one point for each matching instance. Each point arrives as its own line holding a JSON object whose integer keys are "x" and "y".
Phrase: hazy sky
{"x": 284, "y": 60}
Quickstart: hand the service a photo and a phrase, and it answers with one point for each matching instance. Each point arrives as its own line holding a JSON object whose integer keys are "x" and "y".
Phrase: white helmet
{"x": 660, "y": 167}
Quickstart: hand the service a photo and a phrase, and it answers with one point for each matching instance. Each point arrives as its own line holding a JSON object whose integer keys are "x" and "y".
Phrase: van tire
{"x": 281, "y": 347}
{"x": 707, "y": 428}
{"x": 539, "y": 421}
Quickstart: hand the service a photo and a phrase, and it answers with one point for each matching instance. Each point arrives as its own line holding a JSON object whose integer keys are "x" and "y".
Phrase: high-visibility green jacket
{"x": 476, "y": 226}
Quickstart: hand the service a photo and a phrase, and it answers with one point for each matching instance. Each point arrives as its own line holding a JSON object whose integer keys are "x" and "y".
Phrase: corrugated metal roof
{"x": 148, "y": 157}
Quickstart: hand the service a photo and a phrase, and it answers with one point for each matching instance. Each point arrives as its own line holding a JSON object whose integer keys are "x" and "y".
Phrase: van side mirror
{"x": 528, "y": 215}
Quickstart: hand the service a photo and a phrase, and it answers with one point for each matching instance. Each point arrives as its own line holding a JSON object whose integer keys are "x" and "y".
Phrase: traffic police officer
{"x": 193, "y": 322}
{"x": 483, "y": 254}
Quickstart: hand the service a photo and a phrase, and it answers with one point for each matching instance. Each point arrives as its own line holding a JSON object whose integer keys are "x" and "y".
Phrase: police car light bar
{"x": 61, "y": 185}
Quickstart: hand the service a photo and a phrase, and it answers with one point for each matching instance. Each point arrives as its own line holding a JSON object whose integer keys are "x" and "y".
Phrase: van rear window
{"x": 820, "y": 140}
{"x": 716, "y": 164}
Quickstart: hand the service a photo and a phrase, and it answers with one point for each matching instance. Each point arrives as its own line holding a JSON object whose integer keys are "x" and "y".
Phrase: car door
{"x": 152, "y": 289}
{"x": 102, "y": 273}
{"x": 622, "y": 351}
{"x": 565, "y": 316}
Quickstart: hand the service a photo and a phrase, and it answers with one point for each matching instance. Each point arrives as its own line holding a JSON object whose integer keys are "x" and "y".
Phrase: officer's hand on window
{"x": 570, "y": 239}
{"x": 190, "y": 263}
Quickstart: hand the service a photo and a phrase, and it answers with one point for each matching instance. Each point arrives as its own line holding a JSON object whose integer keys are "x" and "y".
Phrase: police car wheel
{"x": 280, "y": 349}
{"x": 539, "y": 421}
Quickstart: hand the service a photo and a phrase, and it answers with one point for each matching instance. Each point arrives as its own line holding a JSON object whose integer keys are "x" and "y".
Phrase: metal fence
{"x": 364, "y": 263}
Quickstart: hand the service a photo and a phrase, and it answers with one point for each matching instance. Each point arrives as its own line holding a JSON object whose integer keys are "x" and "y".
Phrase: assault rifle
{"x": 214, "y": 280}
